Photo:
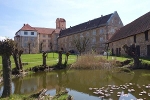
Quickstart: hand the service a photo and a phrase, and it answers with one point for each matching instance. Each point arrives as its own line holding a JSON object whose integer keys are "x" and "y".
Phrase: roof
{"x": 27, "y": 27}
{"x": 86, "y": 25}
{"x": 44, "y": 30}
{"x": 139, "y": 25}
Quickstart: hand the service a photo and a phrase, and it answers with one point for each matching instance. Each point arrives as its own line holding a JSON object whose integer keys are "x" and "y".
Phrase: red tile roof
{"x": 44, "y": 30}
{"x": 139, "y": 25}
{"x": 27, "y": 27}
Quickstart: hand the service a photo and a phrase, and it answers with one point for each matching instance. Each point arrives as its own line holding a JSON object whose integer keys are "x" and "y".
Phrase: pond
{"x": 86, "y": 84}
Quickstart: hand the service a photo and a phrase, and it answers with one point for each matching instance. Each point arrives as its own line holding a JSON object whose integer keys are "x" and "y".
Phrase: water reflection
{"x": 79, "y": 82}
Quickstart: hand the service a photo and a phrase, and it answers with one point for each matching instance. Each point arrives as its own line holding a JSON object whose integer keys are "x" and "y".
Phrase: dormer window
{"x": 25, "y": 33}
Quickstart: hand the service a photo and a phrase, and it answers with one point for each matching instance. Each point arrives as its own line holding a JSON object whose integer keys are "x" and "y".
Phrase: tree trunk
{"x": 29, "y": 48}
{"x": 20, "y": 62}
{"x": 6, "y": 75}
{"x": 16, "y": 60}
{"x": 66, "y": 59}
{"x": 60, "y": 59}
{"x": 44, "y": 58}
{"x": 136, "y": 62}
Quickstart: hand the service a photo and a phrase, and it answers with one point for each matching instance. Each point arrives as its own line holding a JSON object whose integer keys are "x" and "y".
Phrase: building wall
{"x": 24, "y": 40}
{"x": 21, "y": 33}
{"x": 98, "y": 36}
{"x": 46, "y": 40}
{"x": 140, "y": 41}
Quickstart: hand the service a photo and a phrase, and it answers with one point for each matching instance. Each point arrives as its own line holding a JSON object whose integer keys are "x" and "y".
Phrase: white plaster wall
{"x": 21, "y": 33}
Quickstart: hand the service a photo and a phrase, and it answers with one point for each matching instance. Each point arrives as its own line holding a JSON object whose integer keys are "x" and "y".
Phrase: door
{"x": 148, "y": 50}
{"x": 138, "y": 50}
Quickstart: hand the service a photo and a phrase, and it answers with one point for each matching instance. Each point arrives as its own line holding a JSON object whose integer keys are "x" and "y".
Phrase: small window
{"x": 94, "y": 40}
{"x": 25, "y": 33}
{"x": 146, "y": 35}
{"x": 94, "y": 32}
{"x": 134, "y": 38}
{"x": 43, "y": 35}
{"x": 101, "y": 31}
{"x": 44, "y": 40}
{"x": 49, "y": 35}
{"x": 101, "y": 39}
{"x": 87, "y": 33}
{"x": 32, "y": 33}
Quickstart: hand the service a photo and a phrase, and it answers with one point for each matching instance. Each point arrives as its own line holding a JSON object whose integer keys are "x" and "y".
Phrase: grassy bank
{"x": 36, "y": 59}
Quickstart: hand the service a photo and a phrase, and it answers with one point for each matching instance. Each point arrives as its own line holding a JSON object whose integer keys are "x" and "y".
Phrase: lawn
{"x": 36, "y": 59}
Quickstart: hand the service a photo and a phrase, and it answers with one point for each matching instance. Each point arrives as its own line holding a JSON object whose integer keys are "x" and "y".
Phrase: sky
{"x": 43, "y": 13}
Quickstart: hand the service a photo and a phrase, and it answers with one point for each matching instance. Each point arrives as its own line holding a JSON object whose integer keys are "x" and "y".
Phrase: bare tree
{"x": 81, "y": 44}
{"x": 29, "y": 45}
{"x": 44, "y": 58}
{"x": 6, "y": 49}
{"x": 132, "y": 52}
{"x": 41, "y": 46}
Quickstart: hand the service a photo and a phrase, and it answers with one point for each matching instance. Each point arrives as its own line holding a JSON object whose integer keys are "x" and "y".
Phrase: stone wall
{"x": 140, "y": 41}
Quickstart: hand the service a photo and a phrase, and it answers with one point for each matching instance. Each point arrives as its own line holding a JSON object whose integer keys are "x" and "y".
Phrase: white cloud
{"x": 2, "y": 38}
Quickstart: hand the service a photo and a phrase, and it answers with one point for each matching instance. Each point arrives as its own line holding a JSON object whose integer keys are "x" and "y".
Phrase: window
{"x": 101, "y": 31}
{"x": 94, "y": 32}
{"x": 25, "y": 38}
{"x": 44, "y": 40}
{"x": 134, "y": 38}
{"x": 43, "y": 35}
{"x": 101, "y": 39}
{"x": 146, "y": 35}
{"x": 94, "y": 40}
{"x": 81, "y": 34}
{"x": 32, "y": 39}
{"x": 112, "y": 30}
{"x": 87, "y": 34}
{"x": 25, "y": 33}
{"x": 49, "y": 35}
{"x": 32, "y": 33}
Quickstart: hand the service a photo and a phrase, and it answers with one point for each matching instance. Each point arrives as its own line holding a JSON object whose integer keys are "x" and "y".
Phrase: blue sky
{"x": 43, "y": 13}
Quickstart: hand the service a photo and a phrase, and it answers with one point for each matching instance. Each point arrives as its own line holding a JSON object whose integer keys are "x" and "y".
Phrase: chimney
{"x": 24, "y": 24}
{"x": 101, "y": 15}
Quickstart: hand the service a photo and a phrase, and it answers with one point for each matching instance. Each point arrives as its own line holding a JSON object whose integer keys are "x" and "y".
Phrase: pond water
{"x": 85, "y": 84}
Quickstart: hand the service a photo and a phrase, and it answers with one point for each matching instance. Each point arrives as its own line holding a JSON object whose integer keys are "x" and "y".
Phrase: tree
{"x": 81, "y": 44}
{"x": 132, "y": 52}
{"x": 41, "y": 46}
{"x": 29, "y": 45}
{"x": 6, "y": 51}
{"x": 44, "y": 58}
{"x": 66, "y": 59}
{"x": 19, "y": 55}
{"x": 59, "y": 64}
{"x": 16, "y": 53}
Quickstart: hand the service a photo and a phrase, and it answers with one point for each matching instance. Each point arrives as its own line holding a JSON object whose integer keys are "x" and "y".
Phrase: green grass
{"x": 36, "y": 59}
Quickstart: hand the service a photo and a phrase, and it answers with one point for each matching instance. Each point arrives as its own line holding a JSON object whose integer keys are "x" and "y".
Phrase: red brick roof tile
{"x": 44, "y": 30}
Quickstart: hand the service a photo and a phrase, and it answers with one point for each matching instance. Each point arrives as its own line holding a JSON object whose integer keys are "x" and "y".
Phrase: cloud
{"x": 2, "y": 38}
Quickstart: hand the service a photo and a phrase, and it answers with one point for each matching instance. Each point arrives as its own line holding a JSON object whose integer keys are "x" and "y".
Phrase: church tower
{"x": 60, "y": 23}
